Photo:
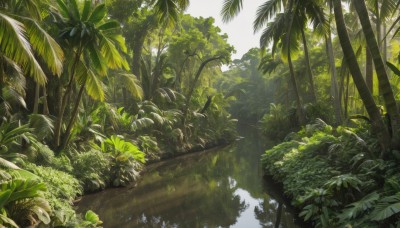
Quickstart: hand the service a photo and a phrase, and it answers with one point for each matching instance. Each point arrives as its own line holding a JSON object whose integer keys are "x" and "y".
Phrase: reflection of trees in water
{"x": 267, "y": 213}
{"x": 206, "y": 194}
{"x": 272, "y": 213}
{"x": 193, "y": 191}
{"x": 198, "y": 190}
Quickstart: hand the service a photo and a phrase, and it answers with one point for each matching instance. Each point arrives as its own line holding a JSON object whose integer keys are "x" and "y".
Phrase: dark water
{"x": 218, "y": 188}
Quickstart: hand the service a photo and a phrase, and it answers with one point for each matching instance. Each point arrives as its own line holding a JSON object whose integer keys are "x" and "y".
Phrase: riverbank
{"x": 336, "y": 178}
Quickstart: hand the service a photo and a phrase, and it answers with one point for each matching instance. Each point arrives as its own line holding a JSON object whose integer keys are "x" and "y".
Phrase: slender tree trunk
{"x": 380, "y": 68}
{"x": 137, "y": 54}
{"x": 378, "y": 24}
{"x": 300, "y": 112}
{"x": 67, "y": 134}
{"x": 378, "y": 126}
{"x": 124, "y": 96}
{"x": 45, "y": 102}
{"x": 64, "y": 101}
{"x": 369, "y": 70}
{"x": 279, "y": 215}
{"x": 384, "y": 43}
{"x": 334, "y": 84}
{"x": 346, "y": 99}
{"x": 343, "y": 71}
{"x": 308, "y": 66}
{"x": 36, "y": 99}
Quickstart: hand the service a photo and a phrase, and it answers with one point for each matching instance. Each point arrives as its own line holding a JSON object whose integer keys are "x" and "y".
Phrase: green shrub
{"x": 22, "y": 203}
{"x": 276, "y": 123}
{"x": 336, "y": 177}
{"x": 126, "y": 160}
{"x": 62, "y": 189}
{"x": 92, "y": 169}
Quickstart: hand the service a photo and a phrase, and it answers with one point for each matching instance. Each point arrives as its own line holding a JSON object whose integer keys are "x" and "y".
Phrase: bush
{"x": 276, "y": 124}
{"x": 336, "y": 177}
{"x": 92, "y": 169}
{"x": 62, "y": 189}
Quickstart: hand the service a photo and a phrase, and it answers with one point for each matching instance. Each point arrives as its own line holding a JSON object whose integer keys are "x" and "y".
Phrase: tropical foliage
{"x": 90, "y": 92}
{"x": 335, "y": 176}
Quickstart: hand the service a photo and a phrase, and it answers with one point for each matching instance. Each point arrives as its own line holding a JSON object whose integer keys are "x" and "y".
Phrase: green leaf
{"x": 92, "y": 217}
{"x": 386, "y": 208}
{"x": 94, "y": 86}
{"x": 112, "y": 24}
{"x": 7, "y": 221}
{"x": 98, "y": 14}
{"x": 42, "y": 214}
{"x": 86, "y": 10}
{"x": 63, "y": 9}
{"x": 4, "y": 196}
{"x": 393, "y": 68}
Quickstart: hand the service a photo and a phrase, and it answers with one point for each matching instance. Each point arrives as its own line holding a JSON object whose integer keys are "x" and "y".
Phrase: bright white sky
{"x": 239, "y": 30}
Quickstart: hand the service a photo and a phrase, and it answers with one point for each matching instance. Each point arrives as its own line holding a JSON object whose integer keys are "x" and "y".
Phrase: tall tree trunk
{"x": 36, "y": 99}
{"x": 378, "y": 126}
{"x": 45, "y": 102}
{"x": 137, "y": 54}
{"x": 343, "y": 71}
{"x": 308, "y": 66}
{"x": 300, "y": 112}
{"x": 124, "y": 96}
{"x": 369, "y": 70}
{"x": 346, "y": 98}
{"x": 64, "y": 100}
{"x": 67, "y": 134}
{"x": 380, "y": 68}
{"x": 334, "y": 84}
{"x": 384, "y": 43}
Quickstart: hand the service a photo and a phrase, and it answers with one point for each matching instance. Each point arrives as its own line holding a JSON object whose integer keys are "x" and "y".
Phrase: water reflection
{"x": 220, "y": 188}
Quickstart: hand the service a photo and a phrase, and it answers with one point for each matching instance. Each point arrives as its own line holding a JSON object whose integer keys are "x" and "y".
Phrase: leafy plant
{"x": 21, "y": 203}
{"x": 62, "y": 191}
{"x": 92, "y": 169}
{"x": 127, "y": 160}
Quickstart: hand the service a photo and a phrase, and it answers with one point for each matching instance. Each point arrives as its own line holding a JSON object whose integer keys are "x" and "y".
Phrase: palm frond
{"x": 111, "y": 54}
{"x": 45, "y": 46}
{"x": 265, "y": 12}
{"x": 131, "y": 83}
{"x": 15, "y": 46}
{"x": 230, "y": 9}
{"x": 169, "y": 9}
{"x": 94, "y": 86}
{"x": 42, "y": 125}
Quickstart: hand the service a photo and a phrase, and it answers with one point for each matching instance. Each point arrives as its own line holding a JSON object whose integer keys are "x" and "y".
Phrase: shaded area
{"x": 222, "y": 187}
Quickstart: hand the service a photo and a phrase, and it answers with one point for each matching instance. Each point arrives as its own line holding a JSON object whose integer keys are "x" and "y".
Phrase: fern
{"x": 386, "y": 207}
{"x": 360, "y": 207}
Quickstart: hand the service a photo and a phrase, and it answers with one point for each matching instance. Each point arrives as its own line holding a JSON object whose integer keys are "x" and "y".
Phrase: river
{"x": 223, "y": 187}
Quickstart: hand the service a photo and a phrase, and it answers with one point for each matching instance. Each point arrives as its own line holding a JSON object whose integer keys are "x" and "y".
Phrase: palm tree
{"x": 94, "y": 43}
{"x": 334, "y": 84}
{"x": 23, "y": 42}
{"x": 21, "y": 38}
{"x": 281, "y": 30}
{"x": 283, "y": 27}
{"x": 351, "y": 60}
{"x": 380, "y": 68}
